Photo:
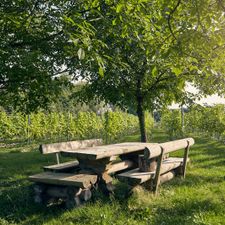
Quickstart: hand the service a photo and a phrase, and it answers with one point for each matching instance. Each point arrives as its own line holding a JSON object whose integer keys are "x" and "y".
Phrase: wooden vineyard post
{"x": 156, "y": 181}
{"x": 186, "y": 151}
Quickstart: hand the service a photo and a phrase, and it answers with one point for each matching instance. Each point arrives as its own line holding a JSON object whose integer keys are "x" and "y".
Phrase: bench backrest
{"x": 68, "y": 146}
{"x": 171, "y": 146}
{"x": 158, "y": 151}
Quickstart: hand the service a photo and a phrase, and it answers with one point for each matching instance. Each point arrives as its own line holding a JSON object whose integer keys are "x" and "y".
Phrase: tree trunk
{"x": 141, "y": 118}
{"x": 182, "y": 119}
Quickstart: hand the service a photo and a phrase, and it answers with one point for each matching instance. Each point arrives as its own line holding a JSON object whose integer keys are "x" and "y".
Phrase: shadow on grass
{"x": 17, "y": 205}
{"x": 16, "y": 195}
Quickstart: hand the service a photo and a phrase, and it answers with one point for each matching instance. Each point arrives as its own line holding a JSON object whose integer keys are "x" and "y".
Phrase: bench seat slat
{"x": 62, "y": 166}
{"x": 66, "y": 179}
{"x": 137, "y": 177}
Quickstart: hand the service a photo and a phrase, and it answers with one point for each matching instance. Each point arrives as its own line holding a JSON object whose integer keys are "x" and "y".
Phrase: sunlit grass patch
{"x": 199, "y": 199}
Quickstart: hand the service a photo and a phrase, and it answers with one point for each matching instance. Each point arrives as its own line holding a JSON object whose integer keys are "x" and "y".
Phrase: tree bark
{"x": 141, "y": 113}
{"x": 182, "y": 119}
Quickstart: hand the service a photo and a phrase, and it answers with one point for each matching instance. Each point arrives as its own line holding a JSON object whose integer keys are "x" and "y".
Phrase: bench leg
{"x": 156, "y": 181}
{"x": 86, "y": 195}
{"x": 184, "y": 166}
{"x": 76, "y": 197}
{"x": 73, "y": 198}
{"x": 105, "y": 184}
{"x": 40, "y": 193}
{"x": 53, "y": 194}
{"x": 99, "y": 167}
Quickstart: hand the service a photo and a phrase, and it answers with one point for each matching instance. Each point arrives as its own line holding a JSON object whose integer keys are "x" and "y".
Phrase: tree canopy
{"x": 135, "y": 54}
{"x": 36, "y": 46}
{"x": 155, "y": 47}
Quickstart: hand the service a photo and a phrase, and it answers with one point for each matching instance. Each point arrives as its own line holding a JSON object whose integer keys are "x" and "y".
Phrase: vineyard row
{"x": 209, "y": 121}
{"x": 67, "y": 126}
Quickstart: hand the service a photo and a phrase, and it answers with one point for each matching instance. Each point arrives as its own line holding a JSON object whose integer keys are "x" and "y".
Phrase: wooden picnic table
{"x": 133, "y": 162}
{"x": 107, "y": 151}
{"x": 99, "y": 159}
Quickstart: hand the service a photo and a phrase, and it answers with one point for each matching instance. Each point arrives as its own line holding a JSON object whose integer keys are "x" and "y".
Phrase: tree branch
{"x": 5, "y": 82}
{"x": 30, "y": 43}
{"x": 170, "y": 17}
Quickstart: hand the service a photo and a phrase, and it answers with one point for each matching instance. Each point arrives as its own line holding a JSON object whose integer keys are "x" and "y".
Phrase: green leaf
{"x": 101, "y": 71}
{"x": 114, "y": 22}
{"x": 75, "y": 41}
{"x": 119, "y": 8}
{"x": 177, "y": 71}
{"x": 154, "y": 71}
{"x": 81, "y": 54}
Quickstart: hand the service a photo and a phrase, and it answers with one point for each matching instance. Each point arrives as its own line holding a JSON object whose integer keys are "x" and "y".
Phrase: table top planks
{"x": 106, "y": 151}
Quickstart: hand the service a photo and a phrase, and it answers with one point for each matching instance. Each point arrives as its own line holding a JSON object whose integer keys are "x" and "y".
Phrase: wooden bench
{"x": 56, "y": 148}
{"x": 65, "y": 179}
{"x": 72, "y": 189}
{"x": 155, "y": 167}
{"x": 59, "y": 180}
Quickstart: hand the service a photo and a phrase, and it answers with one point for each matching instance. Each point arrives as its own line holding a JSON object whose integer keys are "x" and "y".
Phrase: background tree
{"x": 154, "y": 48}
{"x": 36, "y": 48}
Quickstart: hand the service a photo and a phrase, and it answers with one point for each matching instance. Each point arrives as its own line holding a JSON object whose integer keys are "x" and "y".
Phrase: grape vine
{"x": 208, "y": 121}
{"x": 57, "y": 126}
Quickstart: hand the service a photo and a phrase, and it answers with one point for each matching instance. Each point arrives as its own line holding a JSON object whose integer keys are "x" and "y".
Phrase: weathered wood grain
{"x": 155, "y": 150}
{"x": 136, "y": 176}
{"x": 158, "y": 171}
{"x": 171, "y": 163}
{"x": 77, "y": 180}
{"x": 120, "y": 166}
{"x": 146, "y": 165}
{"x": 106, "y": 151}
{"x": 167, "y": 176}
{"x": 62, "y": 167}
{"x": 68, "y": 146}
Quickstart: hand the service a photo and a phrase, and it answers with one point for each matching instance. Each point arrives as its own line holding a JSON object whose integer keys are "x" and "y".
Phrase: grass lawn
{"x": 199, "y": 199}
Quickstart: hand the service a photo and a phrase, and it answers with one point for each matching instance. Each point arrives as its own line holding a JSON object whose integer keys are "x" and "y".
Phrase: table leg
{"x": 100, "y": 168}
